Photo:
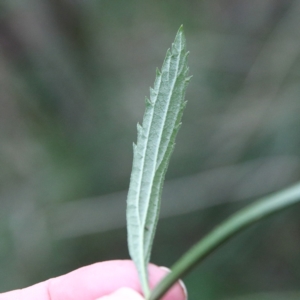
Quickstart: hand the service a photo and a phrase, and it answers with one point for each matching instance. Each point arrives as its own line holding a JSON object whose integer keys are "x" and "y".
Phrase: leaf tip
{"x": 177, "y": 127}
{"x": 148, "y": 102}
{"x": 139, "y": 128}
{"x": 134, "y": 146}
{"x": 180, "y": 39}
{"x": 180, "y": 32}
{"x": 187, "y": 79}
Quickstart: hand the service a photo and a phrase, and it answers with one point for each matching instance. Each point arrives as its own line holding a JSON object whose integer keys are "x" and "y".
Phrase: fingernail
{"x": 184, "y": 289}
{"x": 166, "y": 269}
{"x": 180, "y": 282}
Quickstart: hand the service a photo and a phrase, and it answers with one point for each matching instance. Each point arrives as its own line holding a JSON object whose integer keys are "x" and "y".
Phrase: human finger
{"x": 94, "y": 281}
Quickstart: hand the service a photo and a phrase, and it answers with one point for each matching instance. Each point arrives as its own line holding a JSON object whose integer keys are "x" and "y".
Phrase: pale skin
{"x": 110, "y": 280}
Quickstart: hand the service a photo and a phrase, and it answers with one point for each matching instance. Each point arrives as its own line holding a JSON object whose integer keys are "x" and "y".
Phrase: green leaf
{"x": 152, "y": 153}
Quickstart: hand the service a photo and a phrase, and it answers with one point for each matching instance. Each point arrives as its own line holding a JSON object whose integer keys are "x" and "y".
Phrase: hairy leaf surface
{"x": 155, "y": 143}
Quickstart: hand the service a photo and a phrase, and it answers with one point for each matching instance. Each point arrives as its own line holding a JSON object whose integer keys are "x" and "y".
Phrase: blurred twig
{"x": 180, "y": 196}
{"x": 253, "y": 105}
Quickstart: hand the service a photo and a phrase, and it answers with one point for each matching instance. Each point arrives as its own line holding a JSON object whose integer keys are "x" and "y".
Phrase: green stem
{"x": 233, "y": 225}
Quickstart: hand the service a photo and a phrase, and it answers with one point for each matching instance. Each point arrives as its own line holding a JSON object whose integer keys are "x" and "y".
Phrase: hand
{"x": 110, "y": 280}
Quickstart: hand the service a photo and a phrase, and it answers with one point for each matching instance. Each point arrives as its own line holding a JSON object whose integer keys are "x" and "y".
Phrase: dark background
{"x": 73, "y": 77}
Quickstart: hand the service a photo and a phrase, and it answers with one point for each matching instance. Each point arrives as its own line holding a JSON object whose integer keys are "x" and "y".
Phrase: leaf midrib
{"x": 162, "y": 128}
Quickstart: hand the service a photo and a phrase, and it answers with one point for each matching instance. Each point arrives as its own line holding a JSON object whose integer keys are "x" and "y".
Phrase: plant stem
{"x": 227, "y": 229}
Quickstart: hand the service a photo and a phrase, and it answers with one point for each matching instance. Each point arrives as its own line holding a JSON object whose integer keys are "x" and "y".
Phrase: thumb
{"x": 123, "y": 294}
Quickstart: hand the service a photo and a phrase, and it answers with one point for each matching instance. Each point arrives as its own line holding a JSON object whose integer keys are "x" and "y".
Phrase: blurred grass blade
{"x": 152, "y": 153}
{"x": 242, "y": 219}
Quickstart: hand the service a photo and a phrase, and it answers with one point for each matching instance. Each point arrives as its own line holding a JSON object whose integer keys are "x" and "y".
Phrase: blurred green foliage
{"x": 73, "y": 76}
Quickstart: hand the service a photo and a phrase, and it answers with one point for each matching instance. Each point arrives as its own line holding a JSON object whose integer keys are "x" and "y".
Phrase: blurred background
{"x": 73, "y": 77}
